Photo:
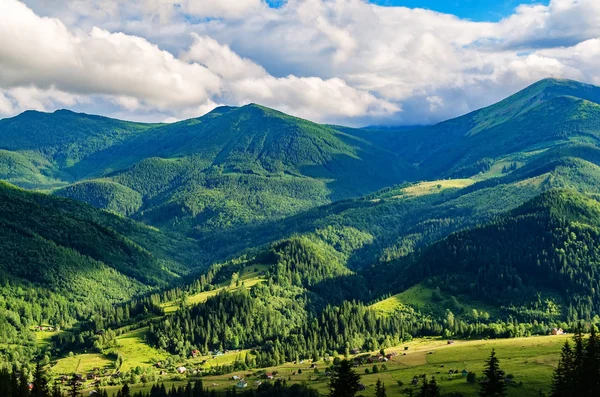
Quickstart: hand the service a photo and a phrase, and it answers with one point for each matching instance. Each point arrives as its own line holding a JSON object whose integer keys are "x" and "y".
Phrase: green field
{"x": 251, "y": 276}
{"x": 530, "y": 360}
{"x": 420, "y": 297}
{"x": 434, "y": 187}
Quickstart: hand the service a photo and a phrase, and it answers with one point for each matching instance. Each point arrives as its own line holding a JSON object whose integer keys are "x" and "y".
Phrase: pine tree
{"x": 40, "y": 383}
{"x": 429, "y": 389}
{"x": 591, "y": 366}
{"x": 493, "y": 384}
{"x": 564, "y": 377}
{"x": 380, "y": 389}
{"x": 345, "y": 382}
{"x": 125, "y": 392}
{"x": 74, "y": 386}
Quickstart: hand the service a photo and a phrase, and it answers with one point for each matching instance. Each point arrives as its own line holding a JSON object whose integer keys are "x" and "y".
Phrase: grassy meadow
{"x": 529, "y": 360}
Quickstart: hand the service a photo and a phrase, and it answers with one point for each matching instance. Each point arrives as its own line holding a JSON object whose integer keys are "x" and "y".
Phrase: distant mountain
{"x": 230, "y": 167}
{"x": 548, "y": 113}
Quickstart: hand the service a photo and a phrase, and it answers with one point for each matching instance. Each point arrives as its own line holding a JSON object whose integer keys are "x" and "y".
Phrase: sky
{"x": 474, "y": 10}
{"x": 351, "y": 62}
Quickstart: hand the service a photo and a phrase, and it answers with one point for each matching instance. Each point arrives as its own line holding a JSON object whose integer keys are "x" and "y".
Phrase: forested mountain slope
{"x": 546, "y": 114}
{"x": 230, "y": 167}
{"x": 540, "y": 260}
{"x": 62, "y": 260}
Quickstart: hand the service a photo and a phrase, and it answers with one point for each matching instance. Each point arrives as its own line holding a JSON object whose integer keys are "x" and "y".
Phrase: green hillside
{"x": 62, "y": 261}
{"x": 236, "y": 166}
{"x": 540, "y": 260}
{"x": 64, "y": 138}
{"x": 546, "y": 114}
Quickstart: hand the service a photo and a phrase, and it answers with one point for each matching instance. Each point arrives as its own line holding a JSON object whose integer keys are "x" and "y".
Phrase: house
{"x": 450, "y": 342}
{"x": 464, "y": 373}
{"x": 241, "y": 384}
{"x": 389, "y": 356}
{"x": 558, "y": 331}
{"x": 356, "y": 350}
{"x": 235, "y": 377}
{"x": 195, "y": 353}
{"x": 313, "y": 365}
{"x": 268, "y": 375}
{"x": 181, "y": 370}
{"x": 258, "y": 383}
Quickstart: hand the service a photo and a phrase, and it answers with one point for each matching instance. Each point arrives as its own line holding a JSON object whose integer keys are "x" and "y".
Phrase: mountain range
{"x": 497, "y": 207}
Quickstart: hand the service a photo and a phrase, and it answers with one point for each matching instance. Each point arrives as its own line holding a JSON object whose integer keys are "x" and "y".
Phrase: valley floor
{"x": 529, "y": 361}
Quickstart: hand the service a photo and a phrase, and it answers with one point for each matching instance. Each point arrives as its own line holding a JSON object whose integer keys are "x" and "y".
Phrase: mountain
{"x": 232, "y": 166}
{"x": 546, "y": 114}
{"x": 247, "y": 229}
{"x": 541, "y": 259}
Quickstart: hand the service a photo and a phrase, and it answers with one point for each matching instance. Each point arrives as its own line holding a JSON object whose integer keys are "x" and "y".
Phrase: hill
{"x": 63, "y": 261}
{"x": 230, "y": 167}
{"x": 546, "y": 114}
{"x": 538, "y": 261}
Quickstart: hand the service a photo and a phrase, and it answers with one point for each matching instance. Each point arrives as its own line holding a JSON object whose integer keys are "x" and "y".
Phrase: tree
{"x": 125, "y": 392}
{"x": 74, "y": 386}
{"x": 472, "y": 377}
{"x": 345, "y": 382}
{"x": 493, "y": 385}
{"x": 564, "y": 377}
{"x": 40, "y": 383}
{"x": 380, "y": 389}
{"x": 429, "y": 389}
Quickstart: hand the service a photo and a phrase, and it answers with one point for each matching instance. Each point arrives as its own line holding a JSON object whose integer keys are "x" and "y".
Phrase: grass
{"x": 81, "y": 363}
{"x": 531, "y": 361}
{"x": 434, "y": 187}
{"x": 135, "y": 351}
{"x": 251, "y": 276}
{"x": 419, "y": 297}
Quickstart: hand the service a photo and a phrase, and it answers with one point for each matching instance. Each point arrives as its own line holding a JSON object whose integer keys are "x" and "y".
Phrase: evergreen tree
{"x": 125, "y": 391}
{"x": 429, "y": 389}
{"x": 40, "y": 383}
{"x": 380, "y": 389}
{"x": 345, "y": 382}
{"x": 563, "y": 380}
{"x": 74, "y": 386}
{"x": 493, "y": 385}
{"x": 591, "y": 365}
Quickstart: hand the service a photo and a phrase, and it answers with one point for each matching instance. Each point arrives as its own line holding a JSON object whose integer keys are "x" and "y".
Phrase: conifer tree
{"x": 345, "y": 382}
{"x": 40, "y": 383}
{"x": 493, "y": 384}
{"x": 380, "y": 389}
{"x": 564, "y": 376}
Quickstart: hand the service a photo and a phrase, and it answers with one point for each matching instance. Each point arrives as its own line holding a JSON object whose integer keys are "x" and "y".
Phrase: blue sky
{"x": 476, "y": 10}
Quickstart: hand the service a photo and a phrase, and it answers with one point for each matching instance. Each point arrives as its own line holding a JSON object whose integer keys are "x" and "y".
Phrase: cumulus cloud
{"x": 312, "y": 97}
{"x": 330, "y": 60}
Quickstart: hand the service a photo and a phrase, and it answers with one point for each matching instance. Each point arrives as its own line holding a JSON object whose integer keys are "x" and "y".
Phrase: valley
{"x": 247, "y": 241}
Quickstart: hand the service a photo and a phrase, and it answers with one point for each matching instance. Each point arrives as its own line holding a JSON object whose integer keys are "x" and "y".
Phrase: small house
{"x": 195, "y": 353}
{"x": 268, "y": 375}
{"x": 181, "y": 370}
{"x": 450, "y": 342}
{"x": 356, "y": 350}
{"x": 235, "y": 377}
{"x": 464, "y": 373}
{"x": 558, "y": 331}
{"x": 241, "y": 384}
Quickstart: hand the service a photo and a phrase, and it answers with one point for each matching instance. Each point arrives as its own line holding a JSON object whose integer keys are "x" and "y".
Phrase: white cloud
{"x": 343, "y": 60}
